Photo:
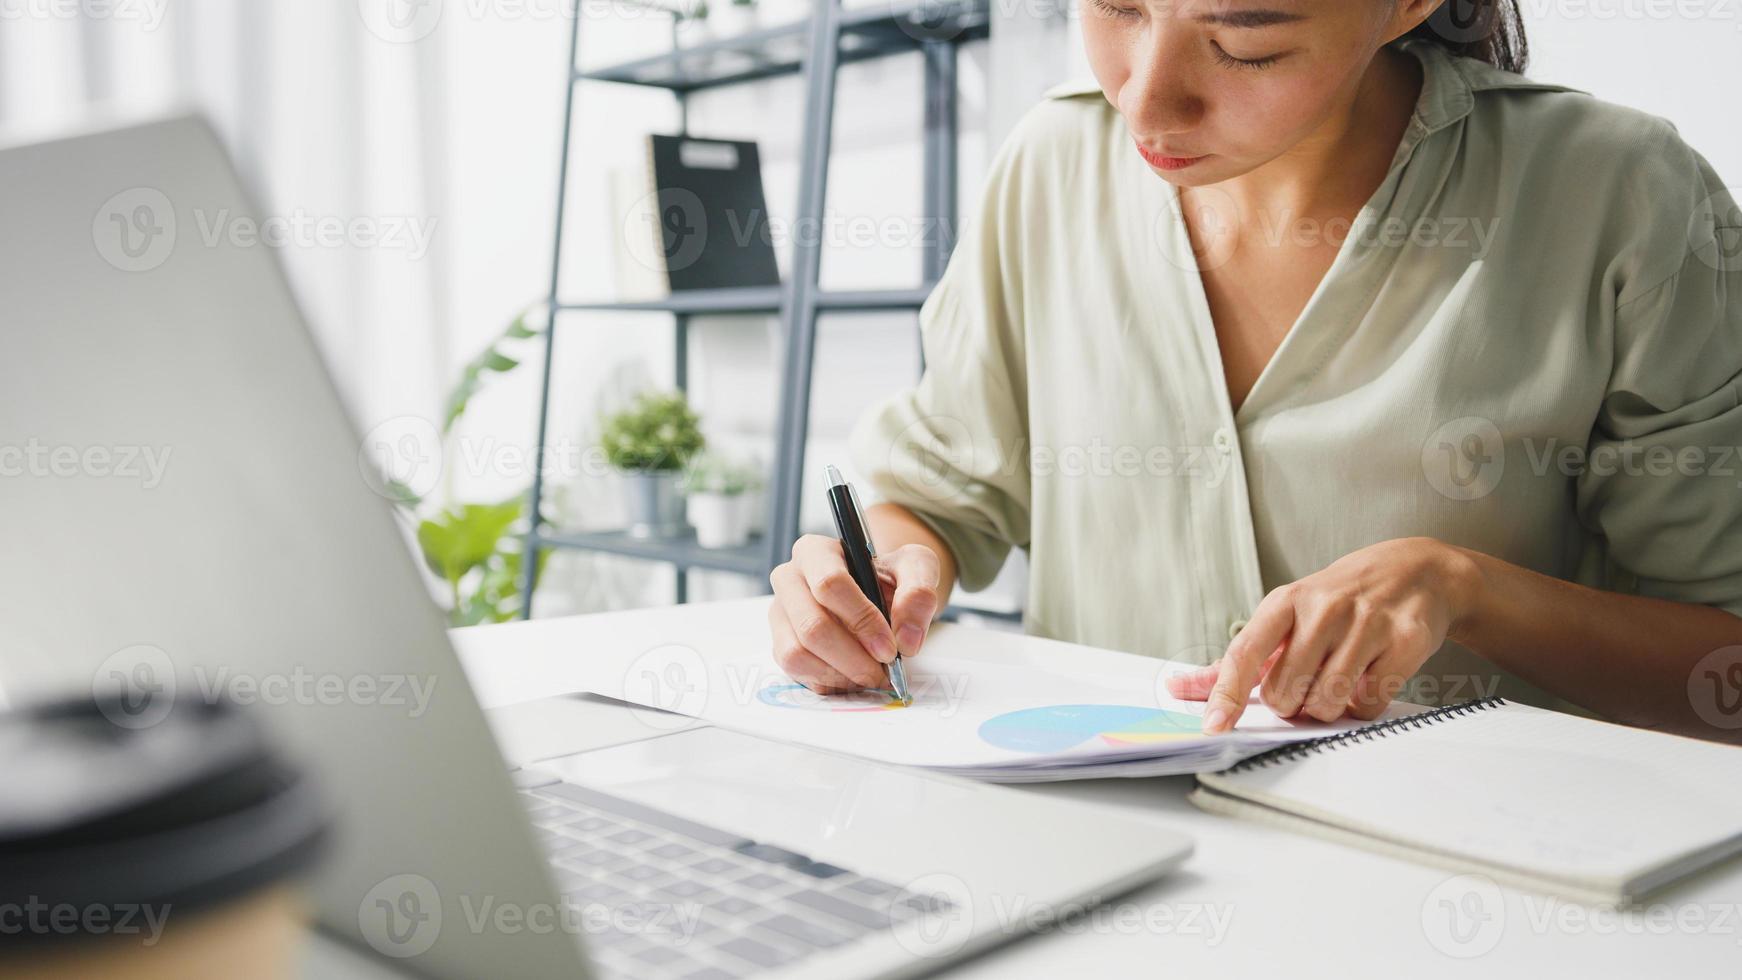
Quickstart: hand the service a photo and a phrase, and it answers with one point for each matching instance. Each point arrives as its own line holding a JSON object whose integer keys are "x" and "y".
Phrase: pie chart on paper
{"x": 1060, "y": 727}
{"x": 801, "y": 697}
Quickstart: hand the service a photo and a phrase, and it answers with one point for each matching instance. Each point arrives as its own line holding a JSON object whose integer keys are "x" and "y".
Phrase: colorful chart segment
{"x": 803, "y": 698}
{"x": 1059, "y": 727}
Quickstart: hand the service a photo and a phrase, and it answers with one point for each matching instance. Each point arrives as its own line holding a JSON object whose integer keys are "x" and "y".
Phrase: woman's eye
{"x": 1229, "y": 61}
{"x": 1113, "y": 10}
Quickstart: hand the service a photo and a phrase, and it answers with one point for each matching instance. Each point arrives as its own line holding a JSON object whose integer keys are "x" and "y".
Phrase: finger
{"x": 824, "y": 566}
{"x": 1316, "y": 634}
{"x": 800, "y": 664}
{"x": 915, "y": 602}
{"x": 1381, "y": 681}
{"x": 818, "y": 632}
{"x": 1335, "y": 687}
{"x": 1196, "y": 684}
{"x": 1240, "y": 667}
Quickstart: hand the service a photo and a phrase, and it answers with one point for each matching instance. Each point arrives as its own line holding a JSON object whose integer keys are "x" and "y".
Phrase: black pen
{"x": 856, "y": 543}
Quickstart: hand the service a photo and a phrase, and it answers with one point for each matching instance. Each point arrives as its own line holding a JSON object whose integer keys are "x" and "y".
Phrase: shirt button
{"x": 1223, "y": 442}
{"x": 1235, "y": 627}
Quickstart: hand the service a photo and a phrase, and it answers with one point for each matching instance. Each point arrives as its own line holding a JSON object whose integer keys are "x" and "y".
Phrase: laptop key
{"x": 871, "y": 887}
{"x": 712, "y": 973}
{"x": 840, "y": 908}
{"x": 629, "y": 835}
{"x": 809, "y": 933}
{"x": 759, "y": 954}
{"x": 623, "y": 942}
{"x": 693, "y": 890}
{"x": 716, "y": 866}
{"x": 642, "y": 873}
{"x": 672, "y": 850}
{"x": 731, "y": 905}
{"x": 760, "y": 882}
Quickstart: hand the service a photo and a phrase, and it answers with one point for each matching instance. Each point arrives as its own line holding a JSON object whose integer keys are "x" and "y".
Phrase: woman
{"x": 1315, "y": 338}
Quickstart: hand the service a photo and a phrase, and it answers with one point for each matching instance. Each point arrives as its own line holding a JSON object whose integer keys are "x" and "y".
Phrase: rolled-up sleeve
{"x": 954, "y": 448}
{"x": 1663, "y": 482}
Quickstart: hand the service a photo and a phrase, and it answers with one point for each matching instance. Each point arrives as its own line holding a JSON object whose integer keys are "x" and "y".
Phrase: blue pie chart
{"x": 1058, "y": 727}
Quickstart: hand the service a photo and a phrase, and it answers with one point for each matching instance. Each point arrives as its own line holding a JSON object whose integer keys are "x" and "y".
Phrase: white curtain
{"x": 324, "y": 119}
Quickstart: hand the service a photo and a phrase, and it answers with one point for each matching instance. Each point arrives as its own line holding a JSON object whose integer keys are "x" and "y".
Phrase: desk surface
{"x": 1252, "y": 899}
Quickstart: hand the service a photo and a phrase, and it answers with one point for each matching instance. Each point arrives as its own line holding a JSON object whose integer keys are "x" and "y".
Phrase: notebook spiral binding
{"x": 1289, "y": 753}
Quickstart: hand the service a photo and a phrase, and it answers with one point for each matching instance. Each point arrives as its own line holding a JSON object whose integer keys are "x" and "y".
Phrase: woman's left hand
{"x": 1340, "y": 641}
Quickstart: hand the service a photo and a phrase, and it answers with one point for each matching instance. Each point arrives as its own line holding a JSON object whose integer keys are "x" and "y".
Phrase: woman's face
{"x": 1212, "y": 89}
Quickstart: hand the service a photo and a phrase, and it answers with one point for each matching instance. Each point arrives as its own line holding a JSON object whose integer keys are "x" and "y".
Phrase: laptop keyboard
{"x": 661, "y": 896}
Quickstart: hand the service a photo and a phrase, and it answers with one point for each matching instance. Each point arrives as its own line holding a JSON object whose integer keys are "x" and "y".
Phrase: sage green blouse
{"x": 1529, "y": 344}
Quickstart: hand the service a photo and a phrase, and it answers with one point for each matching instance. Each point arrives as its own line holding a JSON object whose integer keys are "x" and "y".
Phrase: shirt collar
{"x": 1446, "y": 95}
{"x": 1449, "y": 84}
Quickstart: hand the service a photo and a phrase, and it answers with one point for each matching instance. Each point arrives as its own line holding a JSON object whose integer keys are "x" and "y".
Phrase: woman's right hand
{"x": 827, "y": 635}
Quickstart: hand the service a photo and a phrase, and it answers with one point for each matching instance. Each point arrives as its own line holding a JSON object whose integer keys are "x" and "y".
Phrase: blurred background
{"x": 431, "y": 131}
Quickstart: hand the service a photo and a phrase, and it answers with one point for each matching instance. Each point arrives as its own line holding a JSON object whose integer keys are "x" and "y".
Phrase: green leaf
{"x": 403, "y": 495}
{"x": 456, "y": 541}
{"x": 491, "y": 360}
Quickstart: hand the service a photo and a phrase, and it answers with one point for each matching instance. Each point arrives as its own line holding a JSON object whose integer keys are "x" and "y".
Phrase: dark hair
{"x": 1487, "y": 30}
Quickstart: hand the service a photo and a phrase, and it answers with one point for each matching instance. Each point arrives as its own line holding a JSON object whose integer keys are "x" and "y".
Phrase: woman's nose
{"x": 1160, "y": 97}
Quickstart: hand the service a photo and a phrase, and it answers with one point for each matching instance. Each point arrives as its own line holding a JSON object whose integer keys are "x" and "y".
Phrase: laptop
{"x": 184, "y": 508}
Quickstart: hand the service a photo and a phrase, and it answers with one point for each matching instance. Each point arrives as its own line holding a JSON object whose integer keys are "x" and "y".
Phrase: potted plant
{"x": 717, "y": 490}
{"x": 649, "y": 445}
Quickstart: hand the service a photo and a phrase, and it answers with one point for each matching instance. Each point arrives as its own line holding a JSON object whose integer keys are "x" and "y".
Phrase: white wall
{"x": 1680, "y": 60}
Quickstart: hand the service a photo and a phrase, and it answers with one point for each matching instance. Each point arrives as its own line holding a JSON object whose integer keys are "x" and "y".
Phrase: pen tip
{"x": 833, "y": 475}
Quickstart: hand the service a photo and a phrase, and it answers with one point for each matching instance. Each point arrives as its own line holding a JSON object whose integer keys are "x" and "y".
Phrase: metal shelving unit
{"x": 814, "y": 47}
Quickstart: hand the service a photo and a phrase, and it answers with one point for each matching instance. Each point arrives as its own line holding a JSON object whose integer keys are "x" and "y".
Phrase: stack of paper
{"x": 987, "y": 704}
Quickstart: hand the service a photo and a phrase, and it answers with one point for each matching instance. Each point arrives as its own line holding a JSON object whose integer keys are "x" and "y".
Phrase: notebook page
{"x": 1520, "y": 786}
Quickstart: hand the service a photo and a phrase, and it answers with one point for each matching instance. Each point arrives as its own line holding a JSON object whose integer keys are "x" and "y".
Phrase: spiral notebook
{"x": 1541, "y": 800}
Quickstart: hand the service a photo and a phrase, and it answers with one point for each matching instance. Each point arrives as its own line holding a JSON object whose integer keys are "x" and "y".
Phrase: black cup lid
{"x": 180, "y": 814}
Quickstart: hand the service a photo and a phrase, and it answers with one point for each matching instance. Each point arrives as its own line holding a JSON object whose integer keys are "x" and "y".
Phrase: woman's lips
{"x": 1162, "y": 161}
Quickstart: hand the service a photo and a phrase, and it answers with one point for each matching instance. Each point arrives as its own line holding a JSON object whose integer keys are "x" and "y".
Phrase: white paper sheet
{"x": 988, "y": 704}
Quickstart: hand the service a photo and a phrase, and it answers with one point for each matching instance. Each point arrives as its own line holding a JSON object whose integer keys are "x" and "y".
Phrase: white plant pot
{"x": 721, "y": 520}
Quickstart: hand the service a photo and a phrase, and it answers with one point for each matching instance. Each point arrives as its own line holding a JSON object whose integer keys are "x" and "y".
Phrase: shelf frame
{"x": 813, "y": 47}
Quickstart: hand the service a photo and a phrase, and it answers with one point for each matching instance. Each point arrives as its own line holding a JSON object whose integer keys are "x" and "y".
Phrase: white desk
{"x": 1250, "y": 901}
